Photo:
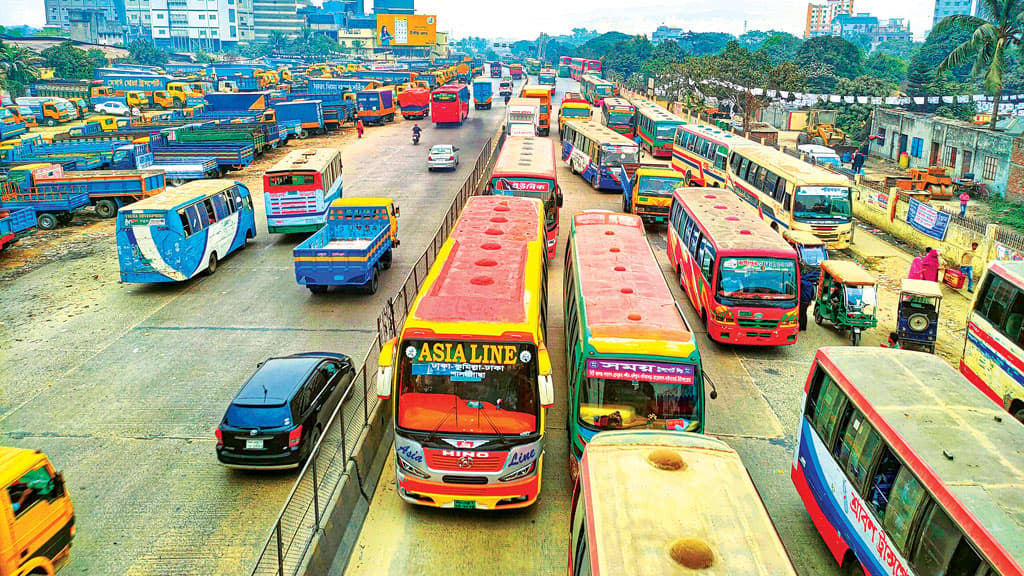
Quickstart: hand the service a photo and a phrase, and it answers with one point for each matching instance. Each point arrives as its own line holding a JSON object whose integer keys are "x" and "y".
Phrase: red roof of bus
{"x": 450, "y": 88}
{"x": 731, "y": 224}
{"x": 483, "y": 276}
{"x": 621, "y": 284}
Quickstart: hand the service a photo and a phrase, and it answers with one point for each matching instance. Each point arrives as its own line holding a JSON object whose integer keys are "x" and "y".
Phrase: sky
{"x": 525, "y": 19}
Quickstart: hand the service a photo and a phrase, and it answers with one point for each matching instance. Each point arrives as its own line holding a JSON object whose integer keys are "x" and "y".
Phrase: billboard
{"x": 406, "y": 30}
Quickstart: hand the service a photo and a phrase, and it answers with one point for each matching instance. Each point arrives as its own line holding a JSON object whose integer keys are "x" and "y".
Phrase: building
{"x": 995, "y": 158}
{"x": 278, "y": 16}
{"x": 847, "y": 25}
{"x": 89, "y": 21}
{"x": 892, "y": 29}
{"x": 945, "y": 8}
{"x": 820, "y": 16}
{"x": 393, "y": 6}
{"x": 358, "y": 41}
{"x": 212, "y": 25}
{"x": 666, "y": 33}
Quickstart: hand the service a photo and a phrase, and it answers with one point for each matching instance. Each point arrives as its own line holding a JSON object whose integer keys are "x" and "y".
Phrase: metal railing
{"x": 322, "y": 477}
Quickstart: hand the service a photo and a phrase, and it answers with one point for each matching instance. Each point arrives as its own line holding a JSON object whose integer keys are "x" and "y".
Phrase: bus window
{"x": 581, "y": 560}
{"x": 185, "y": 225}
{"x": 858, "y": 446}
{"x": 882, "y": 481}
{"x": 907, "y": 497}
{"x": 211, "y": 215}
{"x": 823, "y": 407}
{"x": 220, "y": 206}
{"x": 197, "y": 219}
{"x": 942, "y": 550}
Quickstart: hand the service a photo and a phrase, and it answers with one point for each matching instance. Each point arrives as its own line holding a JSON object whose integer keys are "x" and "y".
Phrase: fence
{"x": 302, "y": 515}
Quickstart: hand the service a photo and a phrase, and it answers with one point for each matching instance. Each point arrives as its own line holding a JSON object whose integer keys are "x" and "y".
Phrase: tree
{"x": 275, "y": 43}
{"x": 994, "y": 37}
{"x": 781, "y": 47}
{"x": 599, "y": 46}
{"x": 846, "y": 59}
{"x": 886, "y": 67}
{"x": 17, "y": 68}
{"x": 524, "y": 49}
{"x": 68, "y": 61}
{"x": 146, "y": 53}
{"x": 99, "y": 59}
{"x": 902, "y": 49}
{"x": 753, "y": 39}
{"x": 700, "y": 43}
{"x": 919, "y": 77}
{"x": 852, "y": 118}
{"x": 628, "y": 57}
{"x": 860, "y": 40}
{"x": 937, "y": 46}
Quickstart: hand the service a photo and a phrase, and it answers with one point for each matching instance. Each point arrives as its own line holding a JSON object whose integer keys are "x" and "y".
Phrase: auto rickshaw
{"x": 846, "y": 298}
{"x": 918, "y": 314}
{"x": 809, "y": 248}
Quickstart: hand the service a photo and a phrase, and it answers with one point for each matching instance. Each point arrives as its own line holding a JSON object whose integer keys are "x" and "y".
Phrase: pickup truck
{"x": 352, "y": 248}
{"x": 15, "y": 225}
{"x": 647, "y": 190}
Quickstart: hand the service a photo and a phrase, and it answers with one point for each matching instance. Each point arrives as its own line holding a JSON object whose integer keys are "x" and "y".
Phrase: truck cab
{"x": 23, "y": 114}
{"x": 647, "y": 190}
{"x": 137, "y": 99}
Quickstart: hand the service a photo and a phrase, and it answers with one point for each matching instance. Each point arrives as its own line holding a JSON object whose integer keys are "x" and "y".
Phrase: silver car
{"x": 443, "y": 156}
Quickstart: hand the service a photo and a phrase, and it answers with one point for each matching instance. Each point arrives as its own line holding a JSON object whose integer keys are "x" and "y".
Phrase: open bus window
{"x": 906, "y": 499}
{"x": 882, "y": 481}
{"x": 941, "y": 549}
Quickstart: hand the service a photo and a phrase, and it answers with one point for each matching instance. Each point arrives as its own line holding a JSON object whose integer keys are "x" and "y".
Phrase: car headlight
{"x": 522, "y": 472}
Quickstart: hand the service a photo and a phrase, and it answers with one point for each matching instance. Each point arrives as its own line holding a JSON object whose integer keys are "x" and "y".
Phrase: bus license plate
{"x": 254, "y": 444}
{"x": 468, "y": 504}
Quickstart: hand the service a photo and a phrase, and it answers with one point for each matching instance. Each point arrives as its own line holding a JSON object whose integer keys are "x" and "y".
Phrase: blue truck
{"x": 16, "y": 224}
{"x": 88, "y": 155}
{"x": 483, "y": 92}
{"x": 246, "y": 101}
{"x": 11, "y": 129}
{"x": 177, "y": 169}
{"x": 229, "y": 155}
{"x": 352, "y": 248}
{"x": 51, "y": 207}
{"x": 309, "y": 114}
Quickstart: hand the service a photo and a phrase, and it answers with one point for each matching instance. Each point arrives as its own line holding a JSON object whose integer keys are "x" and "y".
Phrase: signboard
{"x": 406, "y": 30}
{"x": 1008, "y": 254}
{"x": 505, "y": 184}
{"x": 640, "y": 371}
{"x": 465, "y": 361}
{"x": 927, "y": 220}
{"x": 877, "y": 199}
{"x": 144, "y": 219}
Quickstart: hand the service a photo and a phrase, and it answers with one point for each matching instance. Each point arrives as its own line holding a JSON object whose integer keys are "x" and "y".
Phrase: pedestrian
{"x": 964, "y": 197}
{"x": 359, "y": 127}
{"x": 916, "y": 269}
{"x": 930, "y": 266}
{"x": 858, "y": 162}
{"x": 967, "y": 265}
{"x": 894, "y": 341}
{"x": 806, "y": 294}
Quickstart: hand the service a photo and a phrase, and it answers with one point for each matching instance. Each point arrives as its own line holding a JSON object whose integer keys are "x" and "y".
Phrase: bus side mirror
{"x": 559, "y": 197}
{"x": 385, "y": 369}
{"x": 714, "y": 391}
{"x": 546, "y": 384}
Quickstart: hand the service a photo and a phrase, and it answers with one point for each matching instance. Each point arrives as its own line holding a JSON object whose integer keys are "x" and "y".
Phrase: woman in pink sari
{"x": 930, "y": 266}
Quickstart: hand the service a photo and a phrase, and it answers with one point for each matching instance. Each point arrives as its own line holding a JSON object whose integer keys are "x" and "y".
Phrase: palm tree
{"x": 18, "y": 65}
{"x": 995, "y": 35}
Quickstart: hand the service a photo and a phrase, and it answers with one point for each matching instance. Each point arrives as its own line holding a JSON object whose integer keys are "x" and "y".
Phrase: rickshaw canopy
{"x": 924, "y": 288}
{"x": 802, "y": 237}
{"x": 848, "y": 272}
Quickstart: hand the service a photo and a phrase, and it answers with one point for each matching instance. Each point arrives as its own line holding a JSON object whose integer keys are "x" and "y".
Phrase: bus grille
{"x": 464, "y": 479}
{"x": 492, "y": 462}
{"x": 763, "y": 324}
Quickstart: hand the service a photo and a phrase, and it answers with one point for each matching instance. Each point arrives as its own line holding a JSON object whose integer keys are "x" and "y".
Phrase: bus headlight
{"x": 723, "y": 315}
{"x": 789, "y": 320}
{"x": 521, "y": 473}
{"x": 409, "y": 468}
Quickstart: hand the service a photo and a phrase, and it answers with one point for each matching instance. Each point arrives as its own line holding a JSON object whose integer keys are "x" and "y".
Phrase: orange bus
{"x": 526, "y": 167}
{"x": 470, "y": 373}
{"x": 739, "y": 274}
{"x": 542, "y": 93}
{"x": 701, "y": 153}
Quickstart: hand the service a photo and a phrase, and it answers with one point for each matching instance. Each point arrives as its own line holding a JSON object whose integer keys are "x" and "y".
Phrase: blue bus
{"x": 175, "y": 235}
{"x": 597, "y": 153}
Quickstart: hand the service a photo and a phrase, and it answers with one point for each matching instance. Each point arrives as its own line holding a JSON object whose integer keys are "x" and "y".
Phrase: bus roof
{"x": 627, "y": 305}
{"x": 734, "y": 225}
{"x": 599, "y": 132}
{"x": 717, "y": 136}
{"x": 311, "y": 159}
{"x": 593, "y": 79}
{"x": 960, "y": 444}
{"x": 482, "y": 271}
{"x": 187, "y": 193}
{"x": 526, "y": 156}
{"x": 450, "y": 88}
{"x": 713, "y": 509}
{"x": 655, "y": 112}
{"x": 619, "y": 102}
{"x": 1013, "y": 271}
{"x": 792, "y": 168}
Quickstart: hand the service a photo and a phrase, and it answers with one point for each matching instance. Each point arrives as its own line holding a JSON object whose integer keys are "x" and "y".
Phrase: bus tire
{"x": 1017, "y": 409}
{"x": 46, "y": 221}
{"x": 852, "y": 566}
{"x": 106, "y": 208}
{"x": 211, "y": 265}
{"x": 596, "y": 182}
{"x": 688, "y": 179}
{"x": 373, "y": 283}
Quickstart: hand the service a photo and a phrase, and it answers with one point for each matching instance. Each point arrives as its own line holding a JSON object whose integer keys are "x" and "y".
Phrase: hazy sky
{"x": 527, "y": 18}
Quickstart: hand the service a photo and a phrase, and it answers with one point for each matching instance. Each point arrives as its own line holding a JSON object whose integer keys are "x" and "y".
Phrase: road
{"x": 123, "y": 385}
{"x": 757, "y": 410}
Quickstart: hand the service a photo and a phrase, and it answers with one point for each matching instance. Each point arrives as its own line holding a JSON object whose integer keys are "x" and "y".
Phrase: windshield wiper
{"x": 455, "y": 408}
{"x": 480, "y": 410}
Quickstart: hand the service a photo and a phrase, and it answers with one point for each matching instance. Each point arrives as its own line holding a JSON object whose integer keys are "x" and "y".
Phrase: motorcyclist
{"x": 507, "y": 98}
{"x": 416, "y": 130}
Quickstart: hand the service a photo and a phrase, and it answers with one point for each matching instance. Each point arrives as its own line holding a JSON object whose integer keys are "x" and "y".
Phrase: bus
{"x": 544, "y": 95}
{"x": 576, "y": 68}
{"x": 532, "y": 66}
{"x": 470, "y": 372}
{"x": 656, "y": 127}
{"x": 792, "y": 194}
{"x": 186, "y": 230}
{"x": 526, "y": 167}
{"x": 740, "y": 276}
{"x": 515, "y": 70}
{"x": 592, "y": 67}
{"x": 618, "y": 114}
{"x": 632, "y": 358}
{"x": 993, "y": 358}
{"x": 298, "y": 190}
{"x": 650, "y": 502}
{"x": 595, "y": 88}
{"x": 907, "y": 469}
{"x": 596, "y": 153}
{"x": 495, "y": 69}
{"x": 449, "y": 104}
{"x": 702, "y": 154}
{"x": 565, "y": 66}
{"x": 574, "y": 107}
{"x": 547, "y": 77}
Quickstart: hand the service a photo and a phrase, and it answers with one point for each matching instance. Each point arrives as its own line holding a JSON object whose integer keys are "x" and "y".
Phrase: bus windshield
{"x": 617, "y": 154}
{"x": 546, "y": 78}
{"x": 659, "y": 185}
{"x": 576, "y": 112}
{"x": 757, "y": 279}
{"x": 631, "y": 394}
{"x": 468, "y": 387}
{"x": 292, "y": 180}
{"x": 620, "y": 118}
{"x": 822, "y": 203}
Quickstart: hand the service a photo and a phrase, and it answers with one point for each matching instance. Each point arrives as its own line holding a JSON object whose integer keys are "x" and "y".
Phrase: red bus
{"x": 564, "y": 66}
{"x": 739, "y": 274}
{"x": 449, "y": 104}
{"x": 592, "y": 67}
{"x": 526, "y": 167}
{"x": 576, "y": 68}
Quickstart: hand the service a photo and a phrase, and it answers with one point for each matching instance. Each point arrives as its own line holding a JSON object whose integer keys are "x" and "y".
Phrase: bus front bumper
{"x": 518, "y": 494}
{"x": 751, "y": 336}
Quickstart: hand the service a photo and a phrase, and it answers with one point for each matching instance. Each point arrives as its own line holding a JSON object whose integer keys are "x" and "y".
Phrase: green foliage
{"x": 902, "y": 49}
{"x": 846, "y": 59}
{"x": 920, "y": 77}
{"x": 554, "y": 50}
{"x": 17, "y": 68}
{"x": 938, "y": 45}
{"x": 701, "y": 43}
{"x": 860, "y": 40}
{"x": 886, "y": 67}
{"x": 68, "y": 61}
{"x": 1007, "y": 213}
{"x": 754, "y": 38}
{"x": 203, "y": 57}
{"x": 597, "y": 47}
{"x": 942, "y": 85}
{"x": 312, "y": 43}
{"x": 146, "y": 53}
{"x": 781, "y": 47}
{"x": 98, "y": 58}
{"x": 628, "y": 57}
{"x": 854, "y": 118}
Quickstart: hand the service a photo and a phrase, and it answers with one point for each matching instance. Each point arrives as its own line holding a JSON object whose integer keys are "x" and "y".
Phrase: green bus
{"x": 656, "y": 127}
{"x": 595, "y": 89}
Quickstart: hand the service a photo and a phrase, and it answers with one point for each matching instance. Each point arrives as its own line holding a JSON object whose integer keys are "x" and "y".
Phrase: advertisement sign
{"x": 1008, "y": 254}
{"x": 640, "y": 371}
{"x": 406, "y": 30}
{"x": 466, "y": 361}
{"x": 505, "y": 184}
{"x": 927, "y": 220}
{"x": 878, "y": 199}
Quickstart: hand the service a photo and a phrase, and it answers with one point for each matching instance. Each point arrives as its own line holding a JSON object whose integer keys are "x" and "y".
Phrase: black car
{"x": 280, "y": 412}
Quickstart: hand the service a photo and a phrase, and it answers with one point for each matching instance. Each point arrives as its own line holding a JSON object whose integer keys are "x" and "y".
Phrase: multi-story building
{"x": 945, "y": 8}
{"x": 393, "y": 6}
{"x": 92, "y": 21}
{"x": 846, "y": 25}
{"x": 820, "y": 16}
{"x": 193, "y": 24}
{"x": 278, "y": 16}
{"x": 666, "y": 33}
{"x": 892, "y": 29}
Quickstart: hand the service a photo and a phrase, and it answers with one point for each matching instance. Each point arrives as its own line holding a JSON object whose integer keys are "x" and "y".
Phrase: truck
{"x": 16, "y": 224}
{"x": 51, "y": 207}
{"x": 177, "y": 170}
{"x": 243, "y": 101}
{"x": 179, "y": 91}
{"x": 108, "y": 190}
{"x": 340, "y": 85}
{"x": 352, "y": 248}
{"x": 260, "y": 136}
{"x": 522, "y": 117}
{"x": 91, "y": 91}
{"x": 647, "y": 190}
{"x": 376, "y": 106}
{"x": 309, "y": 114}
{"x": 483, "y": 92}
{"x": 229, "y": 155}
{"x": 11, "y": 124}
{"x": 49, "y": 111}
{"x": 414, "y": 103}
{"x": 88, "y": 155}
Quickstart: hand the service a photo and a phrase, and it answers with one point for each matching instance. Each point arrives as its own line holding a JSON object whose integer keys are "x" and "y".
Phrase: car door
{"x": 332, "y": 373}
{"x": 39, "y": 510}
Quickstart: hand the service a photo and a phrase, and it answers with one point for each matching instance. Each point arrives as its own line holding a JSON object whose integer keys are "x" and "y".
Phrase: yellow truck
{"x": 647, "y": 190}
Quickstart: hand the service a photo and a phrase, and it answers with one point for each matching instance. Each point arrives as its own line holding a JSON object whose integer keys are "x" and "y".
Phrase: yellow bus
{"x": 792, "y": 194}
{"x": 669, "y": 503}
{"x": 470, "y": 373}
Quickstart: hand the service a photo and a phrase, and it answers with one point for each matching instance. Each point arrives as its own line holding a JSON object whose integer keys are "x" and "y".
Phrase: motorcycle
{"x": 415, "y": 138}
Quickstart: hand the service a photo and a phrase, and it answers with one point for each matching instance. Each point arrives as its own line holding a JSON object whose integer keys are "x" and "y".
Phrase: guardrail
{"x": 323, "y": 475}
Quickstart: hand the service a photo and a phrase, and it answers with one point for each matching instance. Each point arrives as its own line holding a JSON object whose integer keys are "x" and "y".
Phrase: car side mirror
{"x": 385, "y": 369}
{"x": 456, "y": 148}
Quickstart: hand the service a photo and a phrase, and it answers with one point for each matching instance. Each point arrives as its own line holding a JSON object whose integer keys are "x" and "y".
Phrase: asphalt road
{"x": 759, "y": 392}
{"x": 122, "y": 385}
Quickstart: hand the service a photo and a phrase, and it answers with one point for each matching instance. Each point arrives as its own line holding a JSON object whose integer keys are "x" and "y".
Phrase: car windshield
{"x": 659, "y": 185}
{"x": 822, "y": 203}
{"x": 757, "y": 278}
{"x": 468, "y": 387}
{"x": 813, "y": 255}
{"x": 247, "y": 416}
{"x": 618, "y": 154}
{"x": 630, "y": 394}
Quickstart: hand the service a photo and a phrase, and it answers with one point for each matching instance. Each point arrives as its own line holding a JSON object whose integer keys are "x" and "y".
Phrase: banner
{"x": 878, "y": 199}
{"x": 641, "y": 371}
{"x": 406, "y": 30}
{"x": 1008, "y": 254}
{"x": 927, "y": 220}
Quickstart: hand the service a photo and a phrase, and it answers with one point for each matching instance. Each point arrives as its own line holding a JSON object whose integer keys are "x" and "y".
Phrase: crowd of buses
{"x": 904, "y": 467}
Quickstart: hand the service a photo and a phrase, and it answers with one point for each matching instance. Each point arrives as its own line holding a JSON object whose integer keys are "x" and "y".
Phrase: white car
{"x": 116, "y": 108}
{"x": 443, "y": 156}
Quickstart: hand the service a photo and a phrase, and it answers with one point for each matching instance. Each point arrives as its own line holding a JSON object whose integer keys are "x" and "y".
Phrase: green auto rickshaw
{"x": 846, "y": 298}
